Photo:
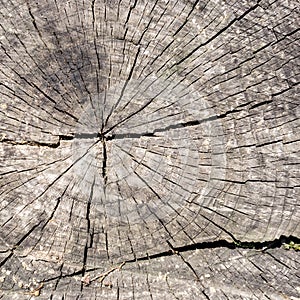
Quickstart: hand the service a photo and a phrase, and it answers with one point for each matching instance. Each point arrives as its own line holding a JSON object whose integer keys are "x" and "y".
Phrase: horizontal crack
{"x": 170, "y": 127}
{"x": 117, "y": 136}
{"x": 31, "y": 143}
{"x": 287, "y": 241}
{"x": 276, "y": 243}
{"x": 120, "y": 136}
{"x": 53, "y": 145}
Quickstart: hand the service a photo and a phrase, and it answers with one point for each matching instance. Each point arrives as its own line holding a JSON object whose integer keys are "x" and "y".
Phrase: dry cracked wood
{"x": 147, "y": 147}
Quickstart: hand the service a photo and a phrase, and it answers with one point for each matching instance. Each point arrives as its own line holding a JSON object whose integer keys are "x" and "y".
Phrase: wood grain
{"x": 149, "y": 149}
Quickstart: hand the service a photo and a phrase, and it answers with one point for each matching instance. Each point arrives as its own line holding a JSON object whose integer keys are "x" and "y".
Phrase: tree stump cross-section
{"x": 149, "y": 149}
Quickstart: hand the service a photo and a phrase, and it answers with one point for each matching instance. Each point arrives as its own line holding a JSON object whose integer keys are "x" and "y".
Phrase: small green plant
{"x": 291, "y": 245}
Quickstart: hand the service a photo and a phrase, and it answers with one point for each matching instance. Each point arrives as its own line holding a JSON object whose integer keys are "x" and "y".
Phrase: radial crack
{"x": 104, "y": 163}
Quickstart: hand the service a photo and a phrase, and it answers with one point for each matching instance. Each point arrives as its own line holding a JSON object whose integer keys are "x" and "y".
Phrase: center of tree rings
{"x": 140, "y": 151}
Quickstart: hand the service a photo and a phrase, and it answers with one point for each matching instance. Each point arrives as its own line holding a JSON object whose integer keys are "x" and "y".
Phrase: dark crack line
{"x": 264, "y": 246}
{"x": 90, "y": 233}
{"x": 6, "y": 258}
{"x": 184, "y": 260}
{"x": 219, "y": 33}
{"x": 279, "y": 261}
{"x": 220, "y": 227}
{"x": 63, "y": 173}
{"x": 93, "y": 12}
{"x": 123, "y": 89}
{"x": 187, "y": 17}
{"x": 151, "y": 188}
{"x": 120, "y": 136}
{"x": 130, "y": 11}
{"x": 12, "y": 250}
{"x": 205, "y": 295}
{"x": 104, "y": 163}
{"x": 53, "y": 145}
{"x": 24, "y": 92}
{"x": 58, "y": 201}
{"x": 62, "y": 276}
{"x": 131, "y": 115}
{"x": 236, "y": 244}
{"x": 167, "y": 128}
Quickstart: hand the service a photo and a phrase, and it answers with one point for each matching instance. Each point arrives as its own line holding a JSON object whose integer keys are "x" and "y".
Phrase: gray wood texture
{"x": 149, "y": 149}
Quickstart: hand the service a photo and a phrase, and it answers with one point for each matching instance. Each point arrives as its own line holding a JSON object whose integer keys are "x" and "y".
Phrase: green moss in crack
{"x": 246, "y": 245}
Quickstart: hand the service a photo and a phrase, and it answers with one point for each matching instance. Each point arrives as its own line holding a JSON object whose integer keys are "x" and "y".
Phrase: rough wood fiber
{"x": 162, "y": 134}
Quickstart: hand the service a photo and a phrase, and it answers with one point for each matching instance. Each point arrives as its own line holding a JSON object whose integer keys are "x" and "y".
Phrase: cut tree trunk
{"x": 149, "y": 149}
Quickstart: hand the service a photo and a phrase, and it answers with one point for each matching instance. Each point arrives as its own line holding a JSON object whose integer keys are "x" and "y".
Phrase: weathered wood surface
{"x": 159, "y": 134}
